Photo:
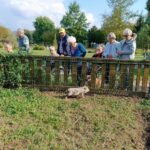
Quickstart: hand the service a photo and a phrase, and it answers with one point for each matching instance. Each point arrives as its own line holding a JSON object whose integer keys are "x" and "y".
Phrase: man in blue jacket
{"x": 63, "y": 45}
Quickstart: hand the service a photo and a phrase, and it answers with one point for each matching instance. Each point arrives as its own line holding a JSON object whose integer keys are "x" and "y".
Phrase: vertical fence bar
{"x": 93, "y": 75}
{"x": 112, "y": 76}
{"x": 39, "y": 71}
{"x": 31, "y": 66}
{"x": 57, "y": 72}
{"x": 138, "y": 78}
{"x": 48, "y": 71}
{"x": 84, "y": 73}
{"x": 122, "y": 76}
{"x": 131, "y": 77}
{"x": 103, "y": 75}
{"x": 74, "y": 73}
{"x": 66, "y": 72}
{"x": 23, "y": 70}
{"x": 145, "y": 78}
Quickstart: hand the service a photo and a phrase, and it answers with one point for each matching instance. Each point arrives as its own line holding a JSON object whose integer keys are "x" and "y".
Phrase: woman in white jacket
{"x": 110, "y": 50}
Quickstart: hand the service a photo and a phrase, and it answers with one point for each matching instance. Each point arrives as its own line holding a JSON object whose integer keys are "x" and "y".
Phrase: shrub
{"x": 1, "y": 45}
{"x": 38, "y": 47}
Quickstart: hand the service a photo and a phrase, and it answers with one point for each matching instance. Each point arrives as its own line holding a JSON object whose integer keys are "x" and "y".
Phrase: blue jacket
{"x": 24, "y": 42}
{"x": 80, "y": 51}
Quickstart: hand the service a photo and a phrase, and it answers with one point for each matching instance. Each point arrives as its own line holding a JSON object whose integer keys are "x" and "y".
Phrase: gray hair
{"x": 111, "y": 35}
{"x": 20, "y": 30}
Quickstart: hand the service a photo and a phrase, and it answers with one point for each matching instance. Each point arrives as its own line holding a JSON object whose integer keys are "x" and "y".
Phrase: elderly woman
{"x": 110, "y": 50}
{"x": 77, "y": 50}
{"x": 127, "y": 46}
{"x": 23, "y": 41}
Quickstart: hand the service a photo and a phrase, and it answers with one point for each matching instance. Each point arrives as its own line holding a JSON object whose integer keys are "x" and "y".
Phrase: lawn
{"x": 40, "y": 121}
{"x": 139, "y": 53}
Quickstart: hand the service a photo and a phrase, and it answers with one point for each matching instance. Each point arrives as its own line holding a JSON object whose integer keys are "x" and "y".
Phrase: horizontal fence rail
{"x": 101, "y": 75}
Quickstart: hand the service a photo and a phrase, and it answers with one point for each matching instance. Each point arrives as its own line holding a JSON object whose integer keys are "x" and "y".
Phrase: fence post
{"x": 112, "y": 76}
{"x": 122, "y": 77}
{"x": 93, "y": 75}
{"x": 84, "y": 72}
{"x": 74, "y": 73}
{"x": 131, "y": 77}
{"x": 48, "y": 70}
{"x": 31, "y": 64}
{"x": 145, "y": 78}
{"x": 138, "y": 79}
{"x": 103, "y": 75}
{"x": 66, "y": 72}
{"x": 57, "y": 73}
{"x": 39, "y": 65}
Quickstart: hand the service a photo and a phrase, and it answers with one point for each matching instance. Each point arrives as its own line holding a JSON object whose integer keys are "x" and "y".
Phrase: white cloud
{"x": 90, "y": 18}
{"x": 25, "y": 11}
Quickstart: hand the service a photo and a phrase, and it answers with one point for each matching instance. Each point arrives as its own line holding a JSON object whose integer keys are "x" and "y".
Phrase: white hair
{"x": 51, "y": 48}
{"x": 71, "y": 39}
{"x": 20, "y": 30}
{"x": 111, "y": 35}
{"x": 127, "y": 31}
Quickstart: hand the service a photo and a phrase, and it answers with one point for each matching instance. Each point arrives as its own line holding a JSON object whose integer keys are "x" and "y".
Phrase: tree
{"x": 96, "y": 35}
{"x": 140, "y": 22}
{"x": 44, "y": 31}
{"x": 143, "y": 39}
{"x": 120, "y": 17}
{"x": 75, "y": 22}
{"x": 7, "y": 35}
{"x": 29, "y": 34}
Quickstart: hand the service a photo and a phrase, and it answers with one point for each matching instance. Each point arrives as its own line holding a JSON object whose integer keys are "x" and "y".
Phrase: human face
{"x": 111, "y": 40}
{"x": 73, "y": 44}
{"x": 127, "y": 37}
{"x": 99, "y": 50}
{"x": 62, "y": 34}
{"x": 8, "y": 48}
{"x": 20, "y": 34}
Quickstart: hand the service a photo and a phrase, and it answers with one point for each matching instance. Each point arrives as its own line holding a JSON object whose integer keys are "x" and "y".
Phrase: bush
{"x": 1, "y": 45}
{"x": 38, "y": 47}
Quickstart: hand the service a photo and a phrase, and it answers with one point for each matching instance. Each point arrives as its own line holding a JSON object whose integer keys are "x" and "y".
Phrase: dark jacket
{"x": 99, "y": 55}
{"x": 65, "y": 46}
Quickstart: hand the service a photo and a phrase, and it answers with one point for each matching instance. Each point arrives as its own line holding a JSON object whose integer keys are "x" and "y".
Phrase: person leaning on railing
{"x": 110, "y": 52}
{"x": 77, "y": 50}
{"x": 126, "y": 50}
{"x": 23, "y": 42}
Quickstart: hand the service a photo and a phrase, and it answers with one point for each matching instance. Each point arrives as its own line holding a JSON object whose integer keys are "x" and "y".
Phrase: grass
{"x": 139, "y": 53}
{"x": 41, "y": 121}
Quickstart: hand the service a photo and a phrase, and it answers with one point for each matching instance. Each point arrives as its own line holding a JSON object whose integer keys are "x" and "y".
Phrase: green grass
{"x": 139, "y": 53}
{"x": 41, "y": 121}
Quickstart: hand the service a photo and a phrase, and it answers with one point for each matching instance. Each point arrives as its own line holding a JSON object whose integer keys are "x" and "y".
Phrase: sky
{"x": 22, "y": 13}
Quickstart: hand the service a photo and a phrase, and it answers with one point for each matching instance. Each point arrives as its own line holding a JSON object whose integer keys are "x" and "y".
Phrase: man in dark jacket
{"x": 63, "y": 45}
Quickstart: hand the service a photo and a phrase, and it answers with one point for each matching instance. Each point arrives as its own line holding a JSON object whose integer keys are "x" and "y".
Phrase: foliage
{"x": 120, "y": 17}
{"x": 38, "y": 47}
{"x": 7, "y": 35}
{"x": 34, "y": 120}
{"x": 29, "y": 34}
{"x": 96, "y": 35}
{"x": 44, "y": 31}
{"x": 75, "y": 22}
{"x": 11, "y": 76}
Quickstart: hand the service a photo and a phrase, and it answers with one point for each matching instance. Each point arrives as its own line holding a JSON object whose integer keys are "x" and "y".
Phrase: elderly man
{"x": 63, "y": 45}
{"x": 23, "y": 42}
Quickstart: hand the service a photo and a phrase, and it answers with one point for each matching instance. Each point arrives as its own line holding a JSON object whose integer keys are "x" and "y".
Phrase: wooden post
{"x": 84, "y": 72}
{"x": 131, "y": 77}
{"x": 93, "y": 75}
{"x": 66, "y": 72}
{"x": 23, "y": 70}
{"x": 31, "y": 66}
{"x": 145, "y": 78}
{"x": 122, "y": 77}
{"x": 74, "y": 73}
{"x": 39, "y": 71}
{"x": 112, "y": 76}
{"x": 103, "y": 75}
{"x": 138, "y": 78}
{"x": 48, "y": 75}
{"x": 57, "y": 73}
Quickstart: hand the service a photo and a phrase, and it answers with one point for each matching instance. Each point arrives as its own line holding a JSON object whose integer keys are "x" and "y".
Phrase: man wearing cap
{"x": 23, "y": 42}
{"x": 63, "y": 45}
